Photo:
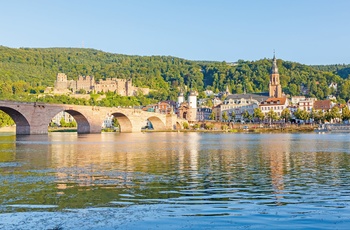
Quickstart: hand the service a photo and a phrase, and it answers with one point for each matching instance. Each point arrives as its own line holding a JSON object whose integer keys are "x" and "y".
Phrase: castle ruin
{"x": 88, "y": 84}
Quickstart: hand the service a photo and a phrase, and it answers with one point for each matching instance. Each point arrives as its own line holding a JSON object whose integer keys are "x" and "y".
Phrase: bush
{"x": 186, "y": 125}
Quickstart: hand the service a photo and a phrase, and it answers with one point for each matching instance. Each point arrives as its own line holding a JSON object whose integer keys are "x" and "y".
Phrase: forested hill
{"x": 33, "y": 69}
{"x": 342, "y": 70}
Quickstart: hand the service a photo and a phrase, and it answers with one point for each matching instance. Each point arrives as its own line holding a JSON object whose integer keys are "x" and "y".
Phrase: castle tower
{"x": 61, "y": 82}
{"x": 192, "y": 100}
{"x": 180, "y": 99}
{"x": 129, "y": 88}
{"x": 275, "y": 88}
{"x": 192, "y": 104}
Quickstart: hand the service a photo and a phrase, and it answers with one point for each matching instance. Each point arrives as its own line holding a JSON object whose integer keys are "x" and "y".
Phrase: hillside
{"x": 30, "y": 70}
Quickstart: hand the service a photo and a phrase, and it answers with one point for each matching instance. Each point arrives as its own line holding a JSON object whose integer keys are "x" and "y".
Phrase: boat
{"x": 334, "y": 128}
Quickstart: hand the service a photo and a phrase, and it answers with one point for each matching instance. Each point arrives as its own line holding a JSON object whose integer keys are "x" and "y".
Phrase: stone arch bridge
{"x": 34, "y": 117}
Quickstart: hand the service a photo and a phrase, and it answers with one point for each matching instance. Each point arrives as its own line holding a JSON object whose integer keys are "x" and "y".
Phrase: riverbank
{"x": 64, "y": 129}
{"x": 8, "y": 129}
{"x": 248, "y": 128}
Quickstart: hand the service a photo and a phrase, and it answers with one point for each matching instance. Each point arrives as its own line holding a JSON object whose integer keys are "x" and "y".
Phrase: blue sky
{"x": 304, "y": 31}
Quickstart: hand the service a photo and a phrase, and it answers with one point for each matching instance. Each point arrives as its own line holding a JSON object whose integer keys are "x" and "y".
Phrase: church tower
{"x": 275, "y": 88}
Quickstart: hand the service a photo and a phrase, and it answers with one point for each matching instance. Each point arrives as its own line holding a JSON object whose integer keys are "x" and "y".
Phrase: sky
{"x": 312, "y": 32}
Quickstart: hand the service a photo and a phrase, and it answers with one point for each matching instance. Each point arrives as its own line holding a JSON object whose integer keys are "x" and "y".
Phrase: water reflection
{"x": 7, "y": 144}
{"x": 276, "y": 151}
{"x": 215, "y": 174}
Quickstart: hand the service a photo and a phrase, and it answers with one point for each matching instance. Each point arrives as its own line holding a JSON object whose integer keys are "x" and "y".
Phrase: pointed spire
{"x": 274, "y": 64}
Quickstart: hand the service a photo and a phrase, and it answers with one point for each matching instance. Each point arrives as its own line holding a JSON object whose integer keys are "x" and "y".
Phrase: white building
{"x": 238, "y": 107}
{"x": 275, "y": 104}
{"x": 295, "y": 99}
{"x": 66, "y": 116}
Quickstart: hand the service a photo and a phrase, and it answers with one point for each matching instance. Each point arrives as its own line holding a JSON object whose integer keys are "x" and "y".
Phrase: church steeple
{"x": 275, "y": 89}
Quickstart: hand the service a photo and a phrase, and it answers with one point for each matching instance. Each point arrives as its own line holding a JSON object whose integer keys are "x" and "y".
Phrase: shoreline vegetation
{"x": 218, "y": 128}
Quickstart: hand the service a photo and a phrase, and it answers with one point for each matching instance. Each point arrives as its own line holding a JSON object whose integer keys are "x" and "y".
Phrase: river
{"x": 175, "y": 181}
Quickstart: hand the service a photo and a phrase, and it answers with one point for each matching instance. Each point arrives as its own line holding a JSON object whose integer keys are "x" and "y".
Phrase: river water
{"x": 175, "y": 181}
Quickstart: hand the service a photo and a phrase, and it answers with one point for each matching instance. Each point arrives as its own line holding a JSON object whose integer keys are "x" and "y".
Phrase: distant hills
{"x": 32, "y": 69}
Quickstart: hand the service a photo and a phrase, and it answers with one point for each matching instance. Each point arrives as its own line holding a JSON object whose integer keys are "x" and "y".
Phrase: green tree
{"x": 247, "y": 116}
{"x": 286, "y": 114}
{"x": 186, "y": 125}
{"x": 258, "y": 114}
{"x": 5, "y": 119}
{"x": 318, "y": 116}
{"x": 301, "y": 114}
{"x": 272, "y": 116}
{"x": 332, "y": 114}
{"x": 115, "y": 122}
{"x": 233, "y": 116}
{"x": 345, "y": 114}
{"x": 212, "y": 116}
{"x": 209, "y": 103}
{"x": 63, "y": 122}
{"x": 293, "y": 89}
{"x": 224, "y": 116}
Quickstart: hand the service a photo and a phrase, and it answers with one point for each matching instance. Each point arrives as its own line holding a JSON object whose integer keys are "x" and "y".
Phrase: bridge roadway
{"x": 34, "y": 117}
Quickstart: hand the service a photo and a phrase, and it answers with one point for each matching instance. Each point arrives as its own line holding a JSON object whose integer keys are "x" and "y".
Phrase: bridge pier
{"x": 22, "y": 130}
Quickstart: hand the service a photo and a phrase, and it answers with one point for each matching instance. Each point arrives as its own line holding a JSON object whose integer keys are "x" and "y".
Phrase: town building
{"x": 275, "y": 104}
{"x": 235, "y": 107}
{"x": 333, "y": 86}
{"x": 303, "y": 103}
{"x": 203, "y": 113}
{"x": 208, "y": 93}
{"x": 217, "y": 112}
{"x": 66, "y": 117}
{"x": 108, "y": 121}
{"x": 166, "y": 107}
{"x": 217, "y": 101}
{"x": 324, "y": 105}
{"x": 307, "y": 104}
{"x": 296, "y": 99}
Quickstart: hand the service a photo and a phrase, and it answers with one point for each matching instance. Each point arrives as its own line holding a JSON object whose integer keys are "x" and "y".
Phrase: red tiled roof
{"x": 274, "y": 101}
{"x": 322, "y": 104}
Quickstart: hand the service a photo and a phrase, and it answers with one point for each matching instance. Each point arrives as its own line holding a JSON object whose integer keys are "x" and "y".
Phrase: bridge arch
{"x": 83, "y": 125}
{"x": 22, "y": 124}
{"x": 82, "y": 122}
{"x": 125, "y": 125}
{"x": 157, "y": 123}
